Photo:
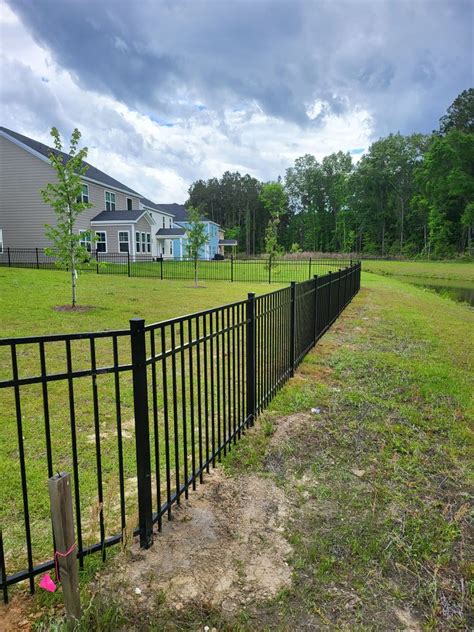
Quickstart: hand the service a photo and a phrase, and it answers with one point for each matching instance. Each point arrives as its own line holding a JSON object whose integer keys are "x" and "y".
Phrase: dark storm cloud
{"x": 403, "y": 61}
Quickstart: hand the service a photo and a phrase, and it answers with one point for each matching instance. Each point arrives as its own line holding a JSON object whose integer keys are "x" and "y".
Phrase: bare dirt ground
{"x": 223, "y": 547}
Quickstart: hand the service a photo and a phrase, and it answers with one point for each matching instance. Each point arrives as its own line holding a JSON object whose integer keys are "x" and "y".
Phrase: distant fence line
{"x": 265, "y": 270}
{"x": 155, "y": 404}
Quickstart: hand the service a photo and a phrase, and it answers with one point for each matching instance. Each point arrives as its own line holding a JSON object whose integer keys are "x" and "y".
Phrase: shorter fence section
{"x": 139, "y": 415}
{"x": 265, "y": 270}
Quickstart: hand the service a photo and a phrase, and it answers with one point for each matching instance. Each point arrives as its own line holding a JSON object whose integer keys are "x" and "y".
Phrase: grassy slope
{"x": 28, "y": 296}
{"x": 428, "y": 269}
{"x": 381, "y": 479}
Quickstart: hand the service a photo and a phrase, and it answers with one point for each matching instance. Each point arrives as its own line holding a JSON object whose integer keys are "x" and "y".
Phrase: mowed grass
{"x": 382, "y": 478}
{"x": 28, "y": 299}
{"x": 428, "y": 269}
{"x": 27, "y": 302}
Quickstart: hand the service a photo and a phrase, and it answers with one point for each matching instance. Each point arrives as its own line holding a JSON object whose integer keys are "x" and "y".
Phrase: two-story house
{"x": 121, "y": 219}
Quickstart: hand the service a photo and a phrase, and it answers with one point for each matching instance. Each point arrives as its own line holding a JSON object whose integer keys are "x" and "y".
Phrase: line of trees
{"x": 408, "y": 195}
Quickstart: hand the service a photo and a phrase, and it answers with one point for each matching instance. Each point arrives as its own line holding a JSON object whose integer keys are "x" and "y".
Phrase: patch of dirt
{"x": 288, "y": 426}
{"x": 224, "y": 547}
{"x": 79, "y": 309}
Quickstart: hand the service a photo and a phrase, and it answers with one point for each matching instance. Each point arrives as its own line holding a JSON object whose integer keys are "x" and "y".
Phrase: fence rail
{"x": 139, "y": 415}
{"x": 232, "y": 269}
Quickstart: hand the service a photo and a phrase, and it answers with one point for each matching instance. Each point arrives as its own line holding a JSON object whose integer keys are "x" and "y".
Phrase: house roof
{"x": 119, "y": 216}
{"x": 168, "y": 232}
{"x": 180, "y": 212}
{"x": 92, "y": 172}
{"x": 149, "y": 204}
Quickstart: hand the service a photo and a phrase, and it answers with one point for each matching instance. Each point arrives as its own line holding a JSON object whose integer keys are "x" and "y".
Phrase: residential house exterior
{"x": 181, "y": 222}
{"x": 121, "y": 219}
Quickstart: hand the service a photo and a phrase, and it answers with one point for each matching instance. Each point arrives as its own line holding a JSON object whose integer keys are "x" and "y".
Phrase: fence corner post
{"x": 161, "y": 267}
{"x": 292, "y": 328}
{"x": 37, "y": 259}
{"x": 9, "y": 260}
{"x": 142, "y": 431}
{"x": 315, "y": 307}
{"x": 60, "y": 496}
{"x": 251, "y": 411}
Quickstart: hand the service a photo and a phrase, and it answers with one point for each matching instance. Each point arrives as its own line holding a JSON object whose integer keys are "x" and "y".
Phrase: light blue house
{"x": 177, "y": 232}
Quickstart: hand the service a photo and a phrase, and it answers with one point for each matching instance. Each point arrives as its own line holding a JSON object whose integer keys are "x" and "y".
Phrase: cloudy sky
{"x": 168, "y": 91}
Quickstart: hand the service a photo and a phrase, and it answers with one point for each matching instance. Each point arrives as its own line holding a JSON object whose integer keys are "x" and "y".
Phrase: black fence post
{"x": 329, "y": 298}
{"x": 270, "y": 269}
{"x": 161, "y": 267}
{"x": 251, "y": 360}
{"x": 97, "y": 261}
{"x": 232, "y": 268}
{"x": 292, "y": 328}
{"x": 142, "y": 431}
{"x": 37, "y": 259}
{"x": 315, "y": 308}
{"x": 128, "y": 263}
{"x": 339, "y": 290}
{"x": 9, "y": 260}
{"x": 309, "y": 276}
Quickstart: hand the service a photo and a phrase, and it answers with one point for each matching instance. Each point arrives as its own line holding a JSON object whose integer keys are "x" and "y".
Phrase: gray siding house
{"x": 122, "y": 219}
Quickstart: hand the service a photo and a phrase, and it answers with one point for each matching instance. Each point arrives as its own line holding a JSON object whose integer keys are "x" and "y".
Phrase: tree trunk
{"x": 383, "y": 238}
{"x": 195, "y": 272}
{"x": 73, "y": 262}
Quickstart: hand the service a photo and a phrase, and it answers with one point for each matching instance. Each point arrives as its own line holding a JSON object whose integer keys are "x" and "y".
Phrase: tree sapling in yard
{"x": 65, "y": 196}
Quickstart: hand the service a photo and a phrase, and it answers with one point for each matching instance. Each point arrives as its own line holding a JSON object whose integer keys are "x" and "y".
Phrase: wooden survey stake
{"x": 66, "y": 552}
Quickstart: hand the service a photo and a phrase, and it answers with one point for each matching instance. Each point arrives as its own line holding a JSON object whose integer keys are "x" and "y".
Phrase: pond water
{"x": 460, "y": 291}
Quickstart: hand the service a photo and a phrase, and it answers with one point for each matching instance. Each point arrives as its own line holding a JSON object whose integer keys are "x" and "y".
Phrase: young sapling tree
{"x": 65, "y": 197}
{"x": 197, "y": 238}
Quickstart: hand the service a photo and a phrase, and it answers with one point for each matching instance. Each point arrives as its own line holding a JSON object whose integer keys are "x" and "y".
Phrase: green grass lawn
{"x": 429, "y": 269}
{"x": 27, "y": 301}
{"x": 379, "y": 481}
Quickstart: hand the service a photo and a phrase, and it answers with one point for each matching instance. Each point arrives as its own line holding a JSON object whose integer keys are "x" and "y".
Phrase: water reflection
{"x": 460, "y": 291}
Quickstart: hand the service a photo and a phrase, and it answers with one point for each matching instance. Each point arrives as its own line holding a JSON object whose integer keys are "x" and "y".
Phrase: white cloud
{"x": 158, "y": 160}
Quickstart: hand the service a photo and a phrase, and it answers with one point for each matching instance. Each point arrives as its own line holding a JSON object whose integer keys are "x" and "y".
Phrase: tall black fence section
{"x": 265, "y": 270}
{"x": 139, "y": 415}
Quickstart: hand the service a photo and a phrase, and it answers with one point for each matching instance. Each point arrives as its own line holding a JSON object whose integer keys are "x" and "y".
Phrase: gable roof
{"x": 180, "y": 212}
{"x": 167, "y": 232}
{"x": 149, "y": 204}
{"x": 44, "y": 151}
{"x": 120, "y": 216}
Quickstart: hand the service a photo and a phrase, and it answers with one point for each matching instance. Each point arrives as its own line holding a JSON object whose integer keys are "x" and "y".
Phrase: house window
{"x": 86, "y": 241}
{"x": 109, "y": 201}
{"x": 164, "y": 226}
{"x": 129, "y": 204}
{"x": 171, "y": 247}
{"x": 101, "y": 241}
{"x": 148, "y": 242}
{"x": 84, "y": 194}
{"x": 143, "y": 242}
{"x": 123, "y": 239}
{"x": 137, "y": 242}
{"x": 1, "y": 240}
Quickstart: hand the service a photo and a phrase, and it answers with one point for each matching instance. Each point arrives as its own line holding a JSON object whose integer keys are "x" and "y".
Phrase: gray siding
{"x": 23, "y": 213}
{"x": 112, "y": 231}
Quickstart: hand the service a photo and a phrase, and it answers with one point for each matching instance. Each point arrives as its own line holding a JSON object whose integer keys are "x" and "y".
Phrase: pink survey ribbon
{"x": 46, "y": 582}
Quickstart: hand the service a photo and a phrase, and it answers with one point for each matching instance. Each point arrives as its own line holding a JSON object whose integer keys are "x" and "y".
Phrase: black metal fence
{"x": 139, "y": 415}
{"x": 232, "y": 269}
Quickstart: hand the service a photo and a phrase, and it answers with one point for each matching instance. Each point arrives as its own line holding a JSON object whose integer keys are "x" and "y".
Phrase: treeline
{"x": 408, "y": 195}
